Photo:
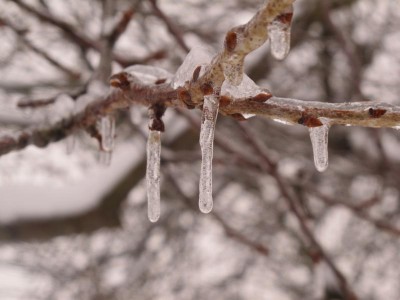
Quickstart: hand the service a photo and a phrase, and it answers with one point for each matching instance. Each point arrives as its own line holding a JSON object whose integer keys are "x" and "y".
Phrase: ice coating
{"x": 233, "y": 70}
{"x": 319, "y": 141}
{"x": 209, "y": 117}
{"x": 247, "y": 88}
{"x": 149, "y": 74}
{"x": 279, "y": 34}
{"x": 198, "y": 56}
{"x": 153, "y": 175}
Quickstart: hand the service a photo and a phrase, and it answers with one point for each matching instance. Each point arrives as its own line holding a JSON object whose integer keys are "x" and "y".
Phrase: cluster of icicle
{"x": 236, "y": 85}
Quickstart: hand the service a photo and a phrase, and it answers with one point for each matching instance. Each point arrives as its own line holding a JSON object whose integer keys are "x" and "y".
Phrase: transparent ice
{"x": 107, "y": 130}
{"x": 247, "y": 88}
{"x": 153, "y": 175}
{"x": 198, "y": 56}
{"x": 319, "y": 141}
{"x": 279, "y": 36}
{"x": 209, "y": 117}
{"x": 106, "y": 126}
{"x": 149, "y": 74}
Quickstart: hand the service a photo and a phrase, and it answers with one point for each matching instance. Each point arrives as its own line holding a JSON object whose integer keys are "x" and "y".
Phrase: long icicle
{"x": 153, "y": 175}
{"x": 209, "y": 117}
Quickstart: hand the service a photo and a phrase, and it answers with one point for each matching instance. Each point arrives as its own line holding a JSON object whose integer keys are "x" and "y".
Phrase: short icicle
{"x": 107, "y": 131}
{"x": 153, "y": 175}
{"x": 319, "y": 141}
{"x": 279, "y": 34}
{"x": 209, "y": 117}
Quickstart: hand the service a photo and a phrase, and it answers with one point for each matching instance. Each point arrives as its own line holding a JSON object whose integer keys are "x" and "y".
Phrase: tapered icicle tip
{"x": 153, "y": 175}
{"x": 206, "y": 204}
{"x": 319, "y": 141}
{"x": 209, "y": 117}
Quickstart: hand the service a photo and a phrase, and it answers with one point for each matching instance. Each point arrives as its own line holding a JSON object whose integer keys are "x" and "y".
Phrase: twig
{"x": 361, "y": 213}
{"x": 172, "y": 28}
{"x": 292, "y": 202}
{"x": 22, "y": 35}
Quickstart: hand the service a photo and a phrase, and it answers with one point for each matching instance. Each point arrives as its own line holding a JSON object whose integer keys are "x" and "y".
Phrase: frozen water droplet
{"x": 319, "y": 141}
{"x": 149, "y": 74}
{"x": 198, "y": 56}
{"x": 107, "y": 131}
{"x": 279, "y": 35}
{"x": 209, "y": 118}
{"x": 153, "y": 175}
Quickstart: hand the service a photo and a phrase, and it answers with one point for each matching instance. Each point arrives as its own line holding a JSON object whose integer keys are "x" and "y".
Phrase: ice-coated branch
{"x": 367, "y": 114}
{"x": 129, "y": 90}
{"x": 239, "y": 42}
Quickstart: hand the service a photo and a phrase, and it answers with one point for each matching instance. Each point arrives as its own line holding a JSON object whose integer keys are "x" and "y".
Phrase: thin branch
{"x": 22, "y": 35}
{"x": 172, "y": 28}
{"x": 85, "y": 42}
{"x": 292, "y": 203}
{"x": 361, "y": 213}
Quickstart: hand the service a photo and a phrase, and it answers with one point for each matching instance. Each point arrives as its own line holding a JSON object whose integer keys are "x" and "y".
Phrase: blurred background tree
{"x": 73, "y": 229}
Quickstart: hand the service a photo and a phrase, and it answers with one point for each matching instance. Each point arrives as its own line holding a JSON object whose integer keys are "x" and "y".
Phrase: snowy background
{"x": 71, "y": 228}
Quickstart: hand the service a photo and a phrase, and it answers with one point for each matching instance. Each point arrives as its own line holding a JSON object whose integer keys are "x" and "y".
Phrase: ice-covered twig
{"x": 239, "y": 42}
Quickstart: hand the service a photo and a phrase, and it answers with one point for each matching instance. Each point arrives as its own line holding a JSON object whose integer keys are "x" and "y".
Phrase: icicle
{"x": 153, "y": 175}
{"x": 279, "y": 34}
{"x": 209, "y": 117}
{"x": 319, "y": 141}
{"x": 107, "y": 131}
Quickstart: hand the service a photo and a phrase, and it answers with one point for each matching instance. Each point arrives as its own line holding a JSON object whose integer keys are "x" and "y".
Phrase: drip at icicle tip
{"x": 153, "y": 175}
{"x": 209, "y": 118}
{"x": 319, "y": 142}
